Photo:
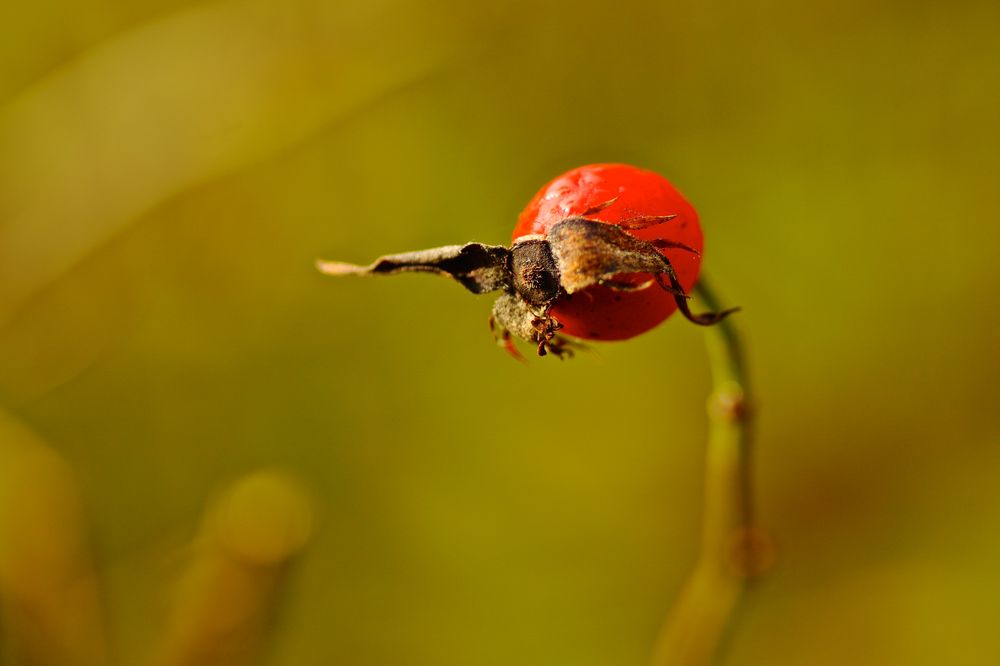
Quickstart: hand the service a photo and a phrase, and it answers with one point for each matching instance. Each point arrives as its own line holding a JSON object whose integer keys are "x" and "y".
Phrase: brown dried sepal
{"x": 588, "y": 252}
{"x": 479, "y": 268}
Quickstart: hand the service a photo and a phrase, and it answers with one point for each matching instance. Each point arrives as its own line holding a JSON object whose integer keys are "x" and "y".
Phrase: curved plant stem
{"x": 730, "y": 547}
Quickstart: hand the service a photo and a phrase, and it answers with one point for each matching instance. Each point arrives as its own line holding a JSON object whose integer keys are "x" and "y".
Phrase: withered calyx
{"x": 536, "y": 270}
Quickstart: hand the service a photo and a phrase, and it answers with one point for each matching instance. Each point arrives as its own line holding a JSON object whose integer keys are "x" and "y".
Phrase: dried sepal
{"x": 589, "y": 252}
{"x": 703, "y": 319}
{"x": 514, "y": 314}
{"x": 479, "y": 268}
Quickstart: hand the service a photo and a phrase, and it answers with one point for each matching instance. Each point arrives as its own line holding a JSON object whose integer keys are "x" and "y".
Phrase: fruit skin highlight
{"x": 600, "y": 312}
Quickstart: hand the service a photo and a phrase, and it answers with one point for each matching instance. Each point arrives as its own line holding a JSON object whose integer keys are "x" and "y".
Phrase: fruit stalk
{"x": 732, "y": 550}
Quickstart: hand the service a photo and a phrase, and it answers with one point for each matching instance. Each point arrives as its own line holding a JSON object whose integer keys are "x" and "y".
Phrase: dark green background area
{"x": 170, "y": 171}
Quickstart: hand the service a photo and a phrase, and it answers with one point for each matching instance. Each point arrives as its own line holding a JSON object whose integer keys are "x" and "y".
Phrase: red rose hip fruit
{"x": 600, "y": 312}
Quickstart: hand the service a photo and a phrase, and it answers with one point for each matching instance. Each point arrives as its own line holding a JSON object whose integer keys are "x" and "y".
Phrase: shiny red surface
{"x": 601, "y": 313}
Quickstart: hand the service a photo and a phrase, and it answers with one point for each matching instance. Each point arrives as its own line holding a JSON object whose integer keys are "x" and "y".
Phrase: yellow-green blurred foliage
{"x": 170, "y": 170}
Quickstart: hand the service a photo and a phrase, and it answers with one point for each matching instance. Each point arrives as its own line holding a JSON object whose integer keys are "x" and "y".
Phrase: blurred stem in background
{"x": 52, "y": 613}
{"x": 224, "y": 602}
{"x": 732, "y": 549}
{"x": 49, "y": 588}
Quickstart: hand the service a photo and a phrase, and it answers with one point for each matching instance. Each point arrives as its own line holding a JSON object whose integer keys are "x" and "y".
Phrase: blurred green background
{"x": 169, "y": 172}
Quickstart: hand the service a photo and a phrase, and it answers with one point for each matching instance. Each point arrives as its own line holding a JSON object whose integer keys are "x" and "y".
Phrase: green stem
{"x": 730, "y": 547}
